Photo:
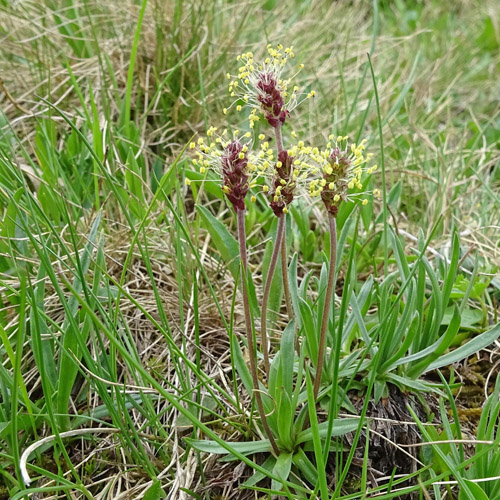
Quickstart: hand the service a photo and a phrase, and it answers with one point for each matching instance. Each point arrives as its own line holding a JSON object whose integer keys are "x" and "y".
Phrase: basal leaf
{"x": 474, "y": 345}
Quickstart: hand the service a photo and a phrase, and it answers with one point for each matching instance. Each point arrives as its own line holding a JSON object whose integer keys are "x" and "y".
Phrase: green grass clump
{"x": 124, "y": 357}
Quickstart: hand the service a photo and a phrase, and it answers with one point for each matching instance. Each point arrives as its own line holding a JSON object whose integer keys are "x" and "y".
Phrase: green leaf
{"x": 470, "y": 317}
{"x": 73, "y": 337}
{"x": 41, "y": 343}
{"x": 462, "y": 284}
{"x": 269, "y": 4}
{"x": 476, "y": 490}
{"x": 450, "y": 276}
{"x": 399, "y": 254}
{"x": 407, "y": 342}
{"x": 134, "y": 185}
{"x": 245, "y": 448}
{"x": 444, "y": 344}
{"x": 154, "y": 492}
{"x": 341, "y": 426}
{"x": 241, "y": 366}
{"x": 488, "y": 39}
{"x": 294, "y": 290}
{"x": 380, "y": 390}
{"x": 392, "y": 200}
{"x": 9, "y": 223}
{"x": 406, "y": 382}
{"x": 224, "y": 241}
{"x": 285, "y": 418}
{"x": 476, "y": 344}
{"x": 306, "y": 467}
{"x": 315, "y": 437}
{"x": 282, "y": 469}
{"x": 258, "y": 476}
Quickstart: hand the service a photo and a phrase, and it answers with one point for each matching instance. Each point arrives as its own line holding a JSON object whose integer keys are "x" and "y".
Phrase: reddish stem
{"x": 267, "y": 290}
{"x": 328, "y": 299}
{"x": 284, "y": 272}
{"x": 249, "y": 329}
{"x": 279, "y": 138}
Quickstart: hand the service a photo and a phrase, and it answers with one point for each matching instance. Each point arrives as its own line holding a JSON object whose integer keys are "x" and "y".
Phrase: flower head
{"x": 288, "y": 178}
{"x": 261, "y": 86}
{"x": 339, "y": 169}
{"x": 229, "y": 159}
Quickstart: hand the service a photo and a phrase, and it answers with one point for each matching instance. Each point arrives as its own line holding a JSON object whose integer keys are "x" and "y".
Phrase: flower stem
{"x": 286, "y": 287}
{"x": 279, "y": 138}
{"x": 249, "y": 329}
{"x": 267, "y": 290}
{"x": 328, "y": 299}
{"x": 284, "y": 271}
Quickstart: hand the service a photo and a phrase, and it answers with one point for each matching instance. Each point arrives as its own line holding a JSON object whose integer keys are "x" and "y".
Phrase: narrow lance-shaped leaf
{"x": 474, "y": 345}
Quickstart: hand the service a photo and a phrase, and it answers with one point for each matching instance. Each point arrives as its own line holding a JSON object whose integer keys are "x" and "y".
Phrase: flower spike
{"x": 340, "y": 168}
{"x": 261, "y": 86}
{"x": 232, "y": 161}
